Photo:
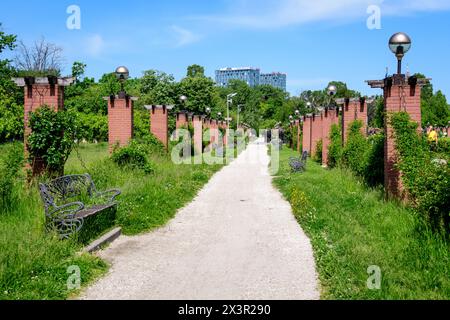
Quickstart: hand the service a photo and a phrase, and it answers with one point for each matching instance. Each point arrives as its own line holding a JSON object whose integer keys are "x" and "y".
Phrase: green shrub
{"x": 10, "y": 165}
{"x": 335, "y": 147}
{"x": 92, "y": 127}
{"x": 133, "y": 156}
{"x": 426, "y": 181}
{"x": 11, "y": 120}
{"x": 444, "y": 146}
{"x": 357, "y": 146}
{"x": 374, "y": 159}
{"x": 318, "y": 151}
{"x": 52, "y": 137}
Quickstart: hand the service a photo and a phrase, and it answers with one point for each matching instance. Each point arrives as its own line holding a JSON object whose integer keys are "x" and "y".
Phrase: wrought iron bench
{"x": 297, "y": 164}
{"x": 64, "y": 210}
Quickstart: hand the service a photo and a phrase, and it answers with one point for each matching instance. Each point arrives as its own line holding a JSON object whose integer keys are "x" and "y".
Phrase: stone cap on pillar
{"x": 152, "y": 108}
{"x": 63, "y": 82}
{"x": 398, "y": 79}
{"x": 112, "y": 97}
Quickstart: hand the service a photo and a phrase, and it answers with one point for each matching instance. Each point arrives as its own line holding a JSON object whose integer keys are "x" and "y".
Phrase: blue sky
{"x": 313, "y": 41}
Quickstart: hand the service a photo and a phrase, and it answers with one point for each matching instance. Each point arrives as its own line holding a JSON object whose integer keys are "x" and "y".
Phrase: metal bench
{"x": 298, "y": 164}
{"x": 64, "y": 211}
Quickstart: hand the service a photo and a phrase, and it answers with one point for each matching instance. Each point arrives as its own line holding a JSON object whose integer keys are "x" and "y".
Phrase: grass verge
{"x": 34, "y": 264}
{"x": 352, "y": 228}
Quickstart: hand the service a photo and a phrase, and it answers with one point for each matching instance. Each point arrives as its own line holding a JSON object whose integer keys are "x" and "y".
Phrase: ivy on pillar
{"x": 401, "y": 94}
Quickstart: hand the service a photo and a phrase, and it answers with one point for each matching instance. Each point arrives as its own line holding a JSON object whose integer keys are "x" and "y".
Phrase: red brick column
{"x": 400, "y": 94}
{"x": 316, "y": 132}
{"x": 214, "y": 131}
{"x": 38, "y": 92}
{"x": 198, "y": 134}
{"x": 348, "y": 116}
{"x": 120, "y": 121}
{"x": 361, "y": 114}
{"x": 159, "y": 122}
{"x": 307, "y": 122}
{"x": 182, "y": 119}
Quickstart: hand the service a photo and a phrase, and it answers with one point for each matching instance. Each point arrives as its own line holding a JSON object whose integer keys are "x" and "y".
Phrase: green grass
{"x": 351, "y": 228}
{"x": 33, "y": 263}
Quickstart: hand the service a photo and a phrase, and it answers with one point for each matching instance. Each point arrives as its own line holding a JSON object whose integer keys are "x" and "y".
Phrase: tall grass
{"x": 352, "y": 227}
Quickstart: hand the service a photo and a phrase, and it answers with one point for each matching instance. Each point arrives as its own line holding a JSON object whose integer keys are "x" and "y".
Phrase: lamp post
{"x": 183, "y": 100}
{"x": 229, "y": 102}
{"x": 122, "y": 74}
{"x": 400, "y": 43}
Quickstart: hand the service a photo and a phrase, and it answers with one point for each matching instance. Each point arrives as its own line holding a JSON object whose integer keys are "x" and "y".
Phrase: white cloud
{"x": 184, "y": 37}
{"x": 95, "y": 45}
{"x": 281, "y": 13}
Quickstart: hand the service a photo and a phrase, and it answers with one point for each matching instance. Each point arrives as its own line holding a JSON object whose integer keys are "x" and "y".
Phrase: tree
{"x": 7, "y": 41}
{"x": 11, "y": 96}
{"x": 434, "y": 106}
{"x": 78, "y": 70}
{"x": 200, "y": 92}
{"x": 158, "y": 87}
{"x": 195, "y": 70}
{"x": 41, "y": 58}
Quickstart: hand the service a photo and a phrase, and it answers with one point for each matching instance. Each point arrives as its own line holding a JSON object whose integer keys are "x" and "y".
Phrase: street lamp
{"x": 183, "y": 100}
{"x": 229, "y": 102}
{"x": 400, "y": 43}
{"x": 122, "y": 74}
{"x": 332, "y": 90}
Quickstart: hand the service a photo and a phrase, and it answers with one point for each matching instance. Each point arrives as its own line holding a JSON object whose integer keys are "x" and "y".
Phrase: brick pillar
{"x": 198, "y": 134}
{"x": 159, "y": 122}
{"x": 316, "y": 132}
{"x": 120, "y": 120}
{"x": 38, "y": 92}
{"x": 361, "y": 114}
{"x": 348, "y": 116}
{"x": 214, "y": 131}
{"x": 182, "y": 119}
{"x": 400, "y": 94}
{"x": 307, "y": 121}
{"x": 394, "y": 90}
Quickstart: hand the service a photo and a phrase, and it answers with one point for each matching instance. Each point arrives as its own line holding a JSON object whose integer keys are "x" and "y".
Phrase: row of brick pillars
{"x": 317, "y": 127}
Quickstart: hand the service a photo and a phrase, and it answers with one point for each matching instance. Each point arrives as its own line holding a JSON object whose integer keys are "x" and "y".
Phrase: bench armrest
{"x": 110, "y": 195}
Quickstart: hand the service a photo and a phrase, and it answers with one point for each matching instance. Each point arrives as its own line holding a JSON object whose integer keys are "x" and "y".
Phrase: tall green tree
{"x": 434, "y": 106}
{"x": 195, "y": 70}
{"x": 11, "y": 96}
{"x": 158, "y": 87}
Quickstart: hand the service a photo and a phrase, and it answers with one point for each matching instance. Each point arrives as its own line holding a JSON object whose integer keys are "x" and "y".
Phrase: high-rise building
{"x": 249, "y": 75}
{"x": 275, "y": 79}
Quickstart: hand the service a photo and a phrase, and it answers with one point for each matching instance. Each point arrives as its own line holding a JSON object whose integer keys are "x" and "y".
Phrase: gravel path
{"x": 238, "y": 239}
